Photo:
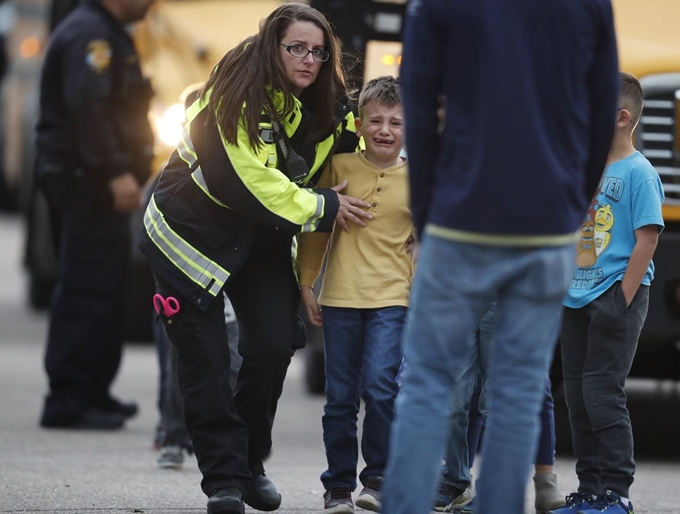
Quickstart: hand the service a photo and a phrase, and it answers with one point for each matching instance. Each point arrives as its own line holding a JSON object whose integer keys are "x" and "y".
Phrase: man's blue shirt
{"x": 529, "y": 90}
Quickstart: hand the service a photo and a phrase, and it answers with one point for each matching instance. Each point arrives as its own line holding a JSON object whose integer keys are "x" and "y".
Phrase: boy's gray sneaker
{"x": 371, "y": 495}
{"x": 466, "y": 509}
{"x": 338, "y": 500}
{"x": 171, "y": 457}
{"x": 449, "y": 497}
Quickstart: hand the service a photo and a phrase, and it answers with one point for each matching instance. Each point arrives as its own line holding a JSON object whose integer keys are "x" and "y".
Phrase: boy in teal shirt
{"x": 605, "y": 309}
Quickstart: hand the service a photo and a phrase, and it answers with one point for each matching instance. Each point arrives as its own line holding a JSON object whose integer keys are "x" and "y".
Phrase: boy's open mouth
{"x": 383, "y": 141}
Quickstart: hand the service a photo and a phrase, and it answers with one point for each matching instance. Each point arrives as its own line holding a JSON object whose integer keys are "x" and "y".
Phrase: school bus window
{"x": 382, "y": 58}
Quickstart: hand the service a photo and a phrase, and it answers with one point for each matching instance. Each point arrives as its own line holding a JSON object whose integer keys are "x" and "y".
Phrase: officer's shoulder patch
{"x": 98, "y": 56}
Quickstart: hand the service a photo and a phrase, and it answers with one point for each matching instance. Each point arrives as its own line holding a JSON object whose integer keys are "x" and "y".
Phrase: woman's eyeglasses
{"x": 301, "y": 52}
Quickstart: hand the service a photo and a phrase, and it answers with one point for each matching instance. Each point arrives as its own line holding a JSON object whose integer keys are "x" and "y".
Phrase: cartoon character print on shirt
{"x": 604, "y": 222}
{"x": 596, "y": 234}
{"x": 587, "y": 255}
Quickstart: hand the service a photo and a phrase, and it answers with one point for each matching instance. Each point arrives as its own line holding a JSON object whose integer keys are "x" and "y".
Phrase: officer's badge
{"x": 99, "y": 56}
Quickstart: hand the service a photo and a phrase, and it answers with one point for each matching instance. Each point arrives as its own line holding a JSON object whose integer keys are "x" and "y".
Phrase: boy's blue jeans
{"x": 467, "y": 419}
{"x": 363, "y": 355}
{"x": 454, "y": 284}
{"x": 598, "y": 346}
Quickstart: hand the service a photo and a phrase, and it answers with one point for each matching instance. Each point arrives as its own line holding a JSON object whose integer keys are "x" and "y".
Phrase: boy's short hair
{"x": 630, "y": 95}
{"x": 385, "y": 90}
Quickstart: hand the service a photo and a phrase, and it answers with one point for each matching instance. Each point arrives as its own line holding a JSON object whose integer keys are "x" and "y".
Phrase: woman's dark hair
{"x": 245, "y": 73}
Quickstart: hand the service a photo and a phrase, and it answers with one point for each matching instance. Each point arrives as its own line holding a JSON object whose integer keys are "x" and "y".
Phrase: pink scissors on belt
{"x": 169, "y": 305}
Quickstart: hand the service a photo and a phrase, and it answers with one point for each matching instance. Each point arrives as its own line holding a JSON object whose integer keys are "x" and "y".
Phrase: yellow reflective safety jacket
{"x": 199, "y": 224}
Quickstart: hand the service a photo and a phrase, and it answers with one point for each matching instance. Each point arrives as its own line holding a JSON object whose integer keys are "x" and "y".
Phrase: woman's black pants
{"x": 231, "y": 432}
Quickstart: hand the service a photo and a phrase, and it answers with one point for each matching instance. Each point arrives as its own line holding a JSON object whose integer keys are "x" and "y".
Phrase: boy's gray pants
{"x": 598, "y": 343}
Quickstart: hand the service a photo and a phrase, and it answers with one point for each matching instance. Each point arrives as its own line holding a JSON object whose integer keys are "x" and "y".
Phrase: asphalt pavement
{"x": 63, "y": 471}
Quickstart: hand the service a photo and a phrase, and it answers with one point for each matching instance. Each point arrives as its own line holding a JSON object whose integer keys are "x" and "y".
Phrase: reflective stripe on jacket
{"x": 200, "y": 221}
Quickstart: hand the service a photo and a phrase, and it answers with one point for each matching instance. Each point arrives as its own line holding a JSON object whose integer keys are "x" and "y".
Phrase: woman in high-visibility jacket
{"x": 223, "y": 218}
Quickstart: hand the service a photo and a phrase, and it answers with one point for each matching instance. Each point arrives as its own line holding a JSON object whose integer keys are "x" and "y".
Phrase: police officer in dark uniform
{"x": 94, "y": 150}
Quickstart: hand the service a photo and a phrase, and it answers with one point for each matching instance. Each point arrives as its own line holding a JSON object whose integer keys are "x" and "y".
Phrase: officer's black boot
{"x": 68, "y": 413}
{"x": 110, "y": 404}
{"x": 226, "y": 501}
{"x": 263, "y": 494}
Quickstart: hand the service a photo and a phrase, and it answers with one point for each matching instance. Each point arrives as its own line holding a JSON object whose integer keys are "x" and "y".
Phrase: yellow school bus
{"x": 179, "y": 43}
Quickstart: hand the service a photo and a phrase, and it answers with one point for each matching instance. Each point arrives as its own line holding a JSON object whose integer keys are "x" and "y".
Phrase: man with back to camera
{"x": 94, "y": 150}
{"x": 530, "y": 90}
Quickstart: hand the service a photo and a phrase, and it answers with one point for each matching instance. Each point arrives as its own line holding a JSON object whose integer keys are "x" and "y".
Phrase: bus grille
{"x": 656, "y": 139}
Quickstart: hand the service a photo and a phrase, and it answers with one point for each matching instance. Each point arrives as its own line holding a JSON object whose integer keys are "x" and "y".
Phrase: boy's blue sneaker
{"x": 575, "y": 502}
{"x": 610, "y": 503}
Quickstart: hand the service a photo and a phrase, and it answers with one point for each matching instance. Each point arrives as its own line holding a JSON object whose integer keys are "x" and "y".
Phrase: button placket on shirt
{"x": 379, "y": 188}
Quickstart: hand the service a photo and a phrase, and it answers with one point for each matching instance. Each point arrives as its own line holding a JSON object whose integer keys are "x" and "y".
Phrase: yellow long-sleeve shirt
{"x": 367, "y": 267}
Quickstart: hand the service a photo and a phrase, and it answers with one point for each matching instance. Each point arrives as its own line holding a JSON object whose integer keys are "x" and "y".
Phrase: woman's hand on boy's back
{"x": 351, "y": 209}
{"x": 311, "y": 305}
